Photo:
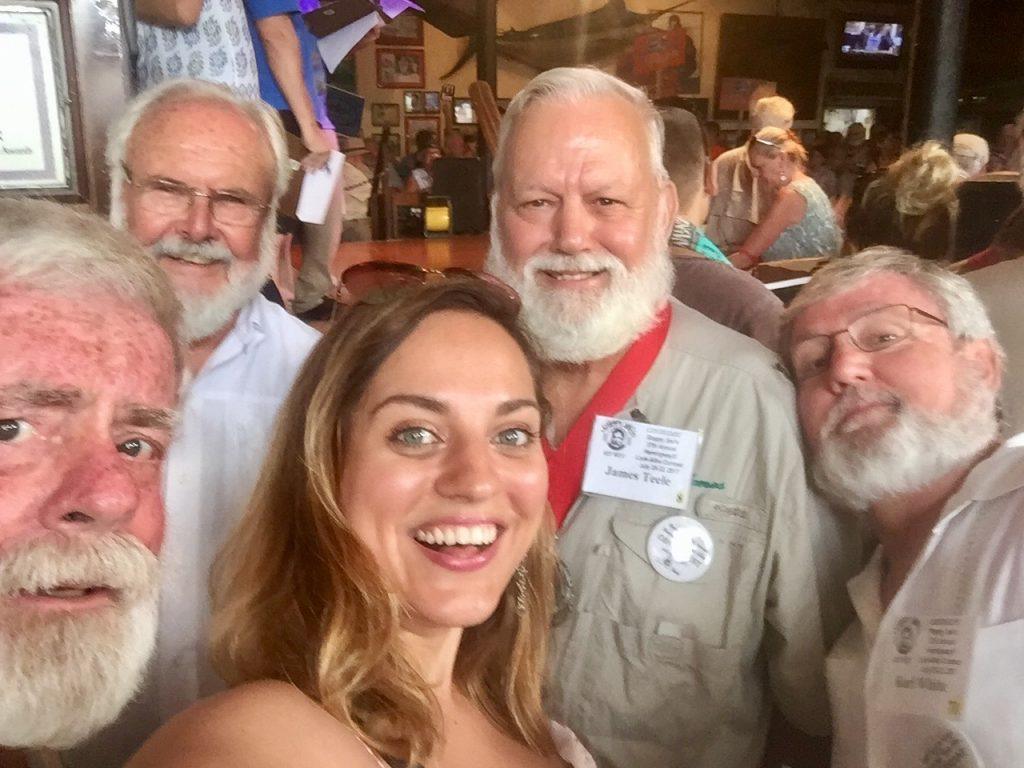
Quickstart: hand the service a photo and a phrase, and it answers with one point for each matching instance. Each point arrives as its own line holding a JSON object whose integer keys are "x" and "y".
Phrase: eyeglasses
{"x": 374, "y": 282}
{"x": 872, "y": 332}
{"x": 167, "y": 197}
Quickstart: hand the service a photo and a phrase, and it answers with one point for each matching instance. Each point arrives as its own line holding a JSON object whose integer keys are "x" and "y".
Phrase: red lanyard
{"x": 566, "y": 463}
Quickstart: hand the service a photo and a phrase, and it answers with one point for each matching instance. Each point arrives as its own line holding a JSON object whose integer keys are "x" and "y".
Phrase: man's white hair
{"x": 772, "y": 111}
{"x": 575, "y": 84}
{"x": 205, "y": 315}
{"x": 965, "y": 313}
{"x": 185, "y": 91}
{"x": 920, "y": 446}
{"x": 54, "y": 248}
{"x": 970, "y": 152}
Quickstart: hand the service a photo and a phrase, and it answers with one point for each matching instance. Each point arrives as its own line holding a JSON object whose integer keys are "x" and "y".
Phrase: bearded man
{"x": 691, "y": 615}
{"x": 897, "y": 370}
{"x": 88, "y": 387}
{"x": 196, "y": 172}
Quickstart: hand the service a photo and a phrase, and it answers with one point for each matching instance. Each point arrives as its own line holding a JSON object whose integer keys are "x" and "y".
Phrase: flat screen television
{"x": 872, "y": 44}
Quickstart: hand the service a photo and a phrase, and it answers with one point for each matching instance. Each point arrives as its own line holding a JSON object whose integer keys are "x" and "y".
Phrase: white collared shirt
{"x": 227, "y": 417}
{"x": 961, "y": 606}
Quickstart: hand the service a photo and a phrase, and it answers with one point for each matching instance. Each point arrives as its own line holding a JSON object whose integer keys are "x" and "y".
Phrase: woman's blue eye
{"x": 414, "y": 436}
{"x": 516, "y": 437}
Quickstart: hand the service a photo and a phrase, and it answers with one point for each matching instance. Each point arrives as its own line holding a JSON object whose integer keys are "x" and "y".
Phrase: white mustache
{"x": 195, "y": 253}
{"x": 115, "y": 561}
{"x": 583, "y": 262}
{"x": 852, "y": 399}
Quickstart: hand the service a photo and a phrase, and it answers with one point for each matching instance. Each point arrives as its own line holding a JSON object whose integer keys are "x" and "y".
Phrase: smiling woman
{"x": 388, "y": 594}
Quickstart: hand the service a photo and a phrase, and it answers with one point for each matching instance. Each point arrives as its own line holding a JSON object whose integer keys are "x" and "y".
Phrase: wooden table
{"x": 468, "y": 251}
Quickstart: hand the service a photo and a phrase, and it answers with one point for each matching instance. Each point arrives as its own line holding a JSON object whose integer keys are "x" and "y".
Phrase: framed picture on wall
{"x": 464, "y": 112}
{"x": 399, "y": 68}
{"x": 385, "y": 114}
{"x": 413, "y": 102}
{"x": 665, "y": 59}
{"x": 406, "y": 29}
{"x": 414, "y": 125}
{"x": 42, "y": 149}
{"x": 432, "y": 102}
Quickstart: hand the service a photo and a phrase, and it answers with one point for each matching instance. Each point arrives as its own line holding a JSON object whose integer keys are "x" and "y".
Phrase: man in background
{"x": 739, "y": 202}
{"x": 705, "y": 280}
{"x": 292, "y": 80}
{"x": 971, "y": 153}
{"x": 196, "y": 173}
{"x": 88, "y": 390}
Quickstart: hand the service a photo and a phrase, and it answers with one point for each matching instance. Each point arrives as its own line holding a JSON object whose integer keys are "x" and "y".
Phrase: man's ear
{"x": 668, "y": 205}
{"x": 981, "y": 354}
{"x": 710, "y": 179}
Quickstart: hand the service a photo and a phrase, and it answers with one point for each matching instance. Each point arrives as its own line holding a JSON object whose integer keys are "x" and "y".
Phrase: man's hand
{"x": 743, "y": 260}
{"x": 319, "y": 147}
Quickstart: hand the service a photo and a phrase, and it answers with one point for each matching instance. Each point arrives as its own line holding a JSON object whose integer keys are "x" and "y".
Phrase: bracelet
{"x": 756, "y": 259}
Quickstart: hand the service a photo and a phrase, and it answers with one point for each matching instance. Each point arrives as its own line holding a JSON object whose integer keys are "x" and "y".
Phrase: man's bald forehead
{"x": 160, "y": 112}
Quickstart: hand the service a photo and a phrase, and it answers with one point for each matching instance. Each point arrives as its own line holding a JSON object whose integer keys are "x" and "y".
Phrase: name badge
{"x": 928, "y": 665}
{"x": 641, "y": 462}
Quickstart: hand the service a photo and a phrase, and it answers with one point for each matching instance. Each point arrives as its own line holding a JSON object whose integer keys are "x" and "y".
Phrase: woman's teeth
{"x": 453, "y": 535}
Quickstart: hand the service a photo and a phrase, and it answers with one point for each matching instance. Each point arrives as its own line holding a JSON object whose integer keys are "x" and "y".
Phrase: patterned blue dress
{"x": 816, "y": 234}
{"x": 217, "y": 48}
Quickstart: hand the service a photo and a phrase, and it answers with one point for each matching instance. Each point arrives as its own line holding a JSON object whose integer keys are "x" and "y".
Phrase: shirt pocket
{"x": 720, "y": 609}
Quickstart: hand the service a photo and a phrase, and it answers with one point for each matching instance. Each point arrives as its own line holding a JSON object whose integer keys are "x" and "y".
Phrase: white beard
{"x": 576, "y": 328}
{"x": 857, "y": 471}
{"x": 205, "y": 314}
{"x": 66, "y": 675}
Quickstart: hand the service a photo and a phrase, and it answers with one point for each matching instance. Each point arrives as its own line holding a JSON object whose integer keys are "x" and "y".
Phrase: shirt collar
{"x": 744, "y": 178}
{"x": 998, "y": 474}
{"x": 247, "y": 332}
{"x": 865, "y": 594}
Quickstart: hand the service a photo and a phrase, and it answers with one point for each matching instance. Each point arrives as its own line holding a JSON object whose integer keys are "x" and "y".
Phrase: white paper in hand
{"x": 392, "y": 8}
{"x": 337, "y": 46}
{"x": 317, "y": 189}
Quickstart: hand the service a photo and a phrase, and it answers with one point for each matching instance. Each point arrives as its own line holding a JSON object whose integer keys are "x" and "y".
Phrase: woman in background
{"x": 912, "y": 206}
{"x": 386, "y": 599}
{"x": 800, "y": 222}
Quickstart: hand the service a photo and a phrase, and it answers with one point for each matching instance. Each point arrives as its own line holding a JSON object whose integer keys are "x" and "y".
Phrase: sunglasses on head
{"x": 374, "y": 282}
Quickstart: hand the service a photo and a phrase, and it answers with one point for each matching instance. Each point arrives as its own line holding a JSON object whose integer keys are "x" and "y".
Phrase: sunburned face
{"x": 87, "y": 391}
{"x": 445, "y": 480}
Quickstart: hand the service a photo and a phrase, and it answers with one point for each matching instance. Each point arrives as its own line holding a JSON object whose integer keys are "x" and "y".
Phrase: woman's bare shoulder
{"x": 266, "y": 723}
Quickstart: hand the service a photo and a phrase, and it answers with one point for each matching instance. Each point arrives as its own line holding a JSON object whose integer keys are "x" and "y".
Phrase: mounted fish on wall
{"x": 645, "y": 48}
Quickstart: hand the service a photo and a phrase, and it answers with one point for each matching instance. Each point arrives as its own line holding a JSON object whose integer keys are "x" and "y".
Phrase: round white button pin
{"x": 680, "y": 548}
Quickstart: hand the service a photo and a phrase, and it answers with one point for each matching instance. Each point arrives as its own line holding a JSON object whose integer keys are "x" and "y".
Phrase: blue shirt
{"x": 312, "y": 66}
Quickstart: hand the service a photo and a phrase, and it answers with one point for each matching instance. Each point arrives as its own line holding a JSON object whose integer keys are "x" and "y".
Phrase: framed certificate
{"x": 40, "y": 145}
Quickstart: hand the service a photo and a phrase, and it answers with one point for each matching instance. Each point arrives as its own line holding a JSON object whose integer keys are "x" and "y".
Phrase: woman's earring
{"x": 521, "y": 587}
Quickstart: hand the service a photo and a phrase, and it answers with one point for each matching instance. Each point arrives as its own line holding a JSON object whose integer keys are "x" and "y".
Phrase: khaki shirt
{"x": 656, "y": 674}
{"x": 737, "y": 207}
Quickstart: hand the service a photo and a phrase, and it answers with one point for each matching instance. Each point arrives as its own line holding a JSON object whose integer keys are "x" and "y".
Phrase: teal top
{"x": 686, "y": 234}
{"x": 816, "y": 234}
